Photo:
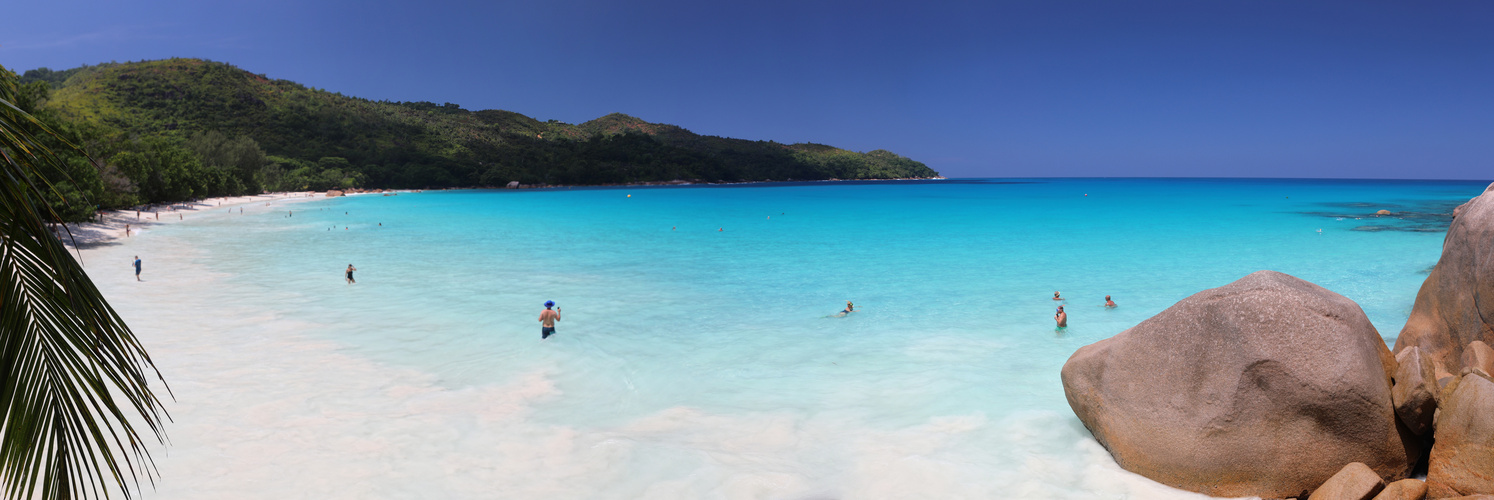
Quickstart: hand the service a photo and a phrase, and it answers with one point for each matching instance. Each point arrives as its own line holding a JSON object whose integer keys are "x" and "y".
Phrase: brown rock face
{"x": 1479, "y": 357}
{"x": 1354, "y": 482}
{"x": 1263, "y": 387}
{"x": 1456, "y": 303}
{"x": 1405, "y": 489}
{"x": 1462, "y": 461}
{"x": 1415, "y": 390}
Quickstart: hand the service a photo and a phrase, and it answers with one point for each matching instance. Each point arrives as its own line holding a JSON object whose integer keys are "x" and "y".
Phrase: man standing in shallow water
{"x": 547, "y": 320}
{"x": 1061, "y": 317}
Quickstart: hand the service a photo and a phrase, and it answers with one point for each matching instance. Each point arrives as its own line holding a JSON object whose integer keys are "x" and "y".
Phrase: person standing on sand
{"x": 137, "y": 268}
{"x": 1061, "y": 317}
{"x": 547, "y": 320}
{"x": 350, "y": 274}
{"x": 1108, "y": 302}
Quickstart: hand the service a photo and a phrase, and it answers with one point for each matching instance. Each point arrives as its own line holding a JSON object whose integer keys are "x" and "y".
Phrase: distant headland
{"x": 178, "y": 129}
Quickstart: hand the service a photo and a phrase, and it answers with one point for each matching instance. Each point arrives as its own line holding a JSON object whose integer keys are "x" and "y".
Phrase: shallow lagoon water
{"x": 698, "y": 356}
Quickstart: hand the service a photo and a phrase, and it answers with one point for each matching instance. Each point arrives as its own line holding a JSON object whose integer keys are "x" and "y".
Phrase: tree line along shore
{"x": 154, "y": 132}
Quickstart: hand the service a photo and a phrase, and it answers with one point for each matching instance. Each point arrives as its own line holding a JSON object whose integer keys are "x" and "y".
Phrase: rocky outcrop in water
{"x": 1264, "y": 387}
{"x": 1456, "y": 303}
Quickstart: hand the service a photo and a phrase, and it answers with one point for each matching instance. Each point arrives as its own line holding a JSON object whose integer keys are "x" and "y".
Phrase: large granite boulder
{"x": 1263, "y": 387}
{"x": 1462, "y": 461}
{"x": 1456, "y": 303}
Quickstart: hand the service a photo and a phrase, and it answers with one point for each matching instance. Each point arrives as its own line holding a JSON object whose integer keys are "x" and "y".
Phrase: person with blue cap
{"x": 548, "y": 319}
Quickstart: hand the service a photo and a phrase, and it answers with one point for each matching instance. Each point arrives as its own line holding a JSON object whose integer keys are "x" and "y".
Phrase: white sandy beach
{"x": 116, "y": 222}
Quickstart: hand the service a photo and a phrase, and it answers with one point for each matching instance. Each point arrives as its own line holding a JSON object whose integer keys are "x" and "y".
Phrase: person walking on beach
{"x": 1061, "y": 317}
{"x": 1108, "y": 302}
{"x": 137, "y": 268}
{"x": 547, "y": 320}
{"x": 350, "y": 274}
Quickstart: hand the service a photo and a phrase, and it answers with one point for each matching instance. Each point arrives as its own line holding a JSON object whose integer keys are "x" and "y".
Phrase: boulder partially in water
{"x": 1456, "y": 303}
{"x": 1265, "y": 387}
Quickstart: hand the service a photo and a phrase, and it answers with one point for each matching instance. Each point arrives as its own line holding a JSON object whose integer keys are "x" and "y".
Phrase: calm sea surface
{"x": 698, "y": 355}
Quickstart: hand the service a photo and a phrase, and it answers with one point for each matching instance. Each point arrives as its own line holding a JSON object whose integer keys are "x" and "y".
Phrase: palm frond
{"x": 74, "y": 375}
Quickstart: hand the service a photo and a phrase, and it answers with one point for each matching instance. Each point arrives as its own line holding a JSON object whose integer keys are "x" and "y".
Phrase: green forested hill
{"x": 279, "y": 135}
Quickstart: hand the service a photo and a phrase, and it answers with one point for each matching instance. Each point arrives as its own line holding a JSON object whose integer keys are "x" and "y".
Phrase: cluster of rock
{"x": 344, "y": 192}
{"x": 1275, "y": 387}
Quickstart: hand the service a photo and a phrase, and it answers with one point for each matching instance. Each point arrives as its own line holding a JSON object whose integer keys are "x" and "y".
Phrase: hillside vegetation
{"x": 175, "y": 129}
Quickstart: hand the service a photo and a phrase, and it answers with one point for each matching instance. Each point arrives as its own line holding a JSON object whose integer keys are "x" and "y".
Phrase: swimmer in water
{"x": 850, "y": 308}
{"x": 1062, "y": 318}
{"x": 1056, "y": 297}
{"x": 1108, "y": 302}
{"x": 350, "y": 274}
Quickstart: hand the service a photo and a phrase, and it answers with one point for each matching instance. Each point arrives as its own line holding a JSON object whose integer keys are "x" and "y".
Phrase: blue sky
{"x": 1358, "y": 89}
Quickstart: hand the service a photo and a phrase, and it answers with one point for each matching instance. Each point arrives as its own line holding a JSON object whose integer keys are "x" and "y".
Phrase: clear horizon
{"x": 1335, "y": 90}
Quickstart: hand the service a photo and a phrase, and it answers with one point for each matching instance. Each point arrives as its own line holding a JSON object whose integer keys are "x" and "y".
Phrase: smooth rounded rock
{"x": 1458, "y": 295}
{"x": 1263, "y": 387}
{"x": 1415, "y": 390}
{"x": 1354, "y": 482}
{"x": 1479, "y": 357}
{"x": 1405, "y": 489}
{"x": 1462, "y": 460}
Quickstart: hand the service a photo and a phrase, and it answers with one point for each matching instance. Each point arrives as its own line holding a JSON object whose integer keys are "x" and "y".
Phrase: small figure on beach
{"x": 1056, "y": 297}
{"x": 1061, "y": 317}
{"x": 350, "y": 274}
{"x": 137, "y": 268}
{"x": 127, "y": 230}
{"x": 1108, "y": 302}
{"x": 547, "y": 320}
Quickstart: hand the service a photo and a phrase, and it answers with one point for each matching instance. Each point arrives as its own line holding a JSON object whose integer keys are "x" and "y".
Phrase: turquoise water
{"x": 698, "y": 355}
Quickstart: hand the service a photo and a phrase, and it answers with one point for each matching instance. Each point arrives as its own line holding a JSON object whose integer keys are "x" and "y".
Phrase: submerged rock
{"x": 1458, "y": 295}
{"x": 1354, "y": 482}
{"x": 1263, "y": 387}
{"x": 1462, "y": 461}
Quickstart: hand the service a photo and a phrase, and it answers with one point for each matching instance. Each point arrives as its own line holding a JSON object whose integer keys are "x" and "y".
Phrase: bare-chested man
{"x": 1061, "y": 317}
{"x": 547, "y": 320}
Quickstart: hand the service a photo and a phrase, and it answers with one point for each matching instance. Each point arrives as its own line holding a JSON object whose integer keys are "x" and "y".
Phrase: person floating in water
{"x": 137, "y": 268}
{"x": 350, "y": 274}
{"x": 1108, "y": 302}
{"x": 547, "y": 320}
{"x": 850, "y": 308}
{"x": 1062, "y": 318}
{"x": 1056, "y": 297}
